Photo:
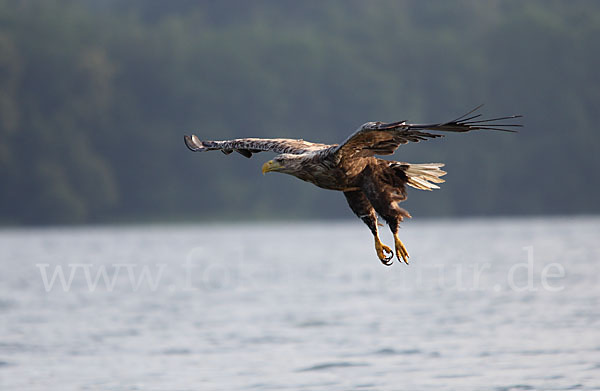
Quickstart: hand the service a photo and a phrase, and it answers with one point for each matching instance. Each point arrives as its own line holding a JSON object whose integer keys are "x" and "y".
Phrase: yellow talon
{"x": 401, "y": 252}
{"x": 383, "y": 251}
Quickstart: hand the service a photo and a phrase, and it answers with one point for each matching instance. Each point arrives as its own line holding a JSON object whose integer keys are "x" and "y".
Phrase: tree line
{"x": 95, "y": 97}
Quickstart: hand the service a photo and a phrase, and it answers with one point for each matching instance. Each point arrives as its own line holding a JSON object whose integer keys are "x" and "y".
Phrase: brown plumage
{"x": 372, "y": 186}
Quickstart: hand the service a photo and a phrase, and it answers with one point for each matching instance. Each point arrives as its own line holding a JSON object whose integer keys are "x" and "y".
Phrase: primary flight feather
{"x": 372, "y": 186}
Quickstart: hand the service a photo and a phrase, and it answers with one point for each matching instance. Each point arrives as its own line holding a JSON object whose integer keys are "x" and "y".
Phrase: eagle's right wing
{"x": 383, "y": 139}
{"x": 248, "y": 146}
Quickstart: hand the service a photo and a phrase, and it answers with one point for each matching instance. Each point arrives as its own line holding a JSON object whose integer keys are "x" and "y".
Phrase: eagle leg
{"x": 361, "y": 206}
{"x": 401, "y": 252}
{"x": 384, "y": 253}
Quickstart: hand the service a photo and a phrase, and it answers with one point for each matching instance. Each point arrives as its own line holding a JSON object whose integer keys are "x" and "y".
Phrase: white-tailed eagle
{"x": 372, "y": 186}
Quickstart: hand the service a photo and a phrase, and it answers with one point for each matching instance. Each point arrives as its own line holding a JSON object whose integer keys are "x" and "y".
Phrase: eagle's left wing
{"x": 248, "y": 146}
{"x": 377, "y": 138}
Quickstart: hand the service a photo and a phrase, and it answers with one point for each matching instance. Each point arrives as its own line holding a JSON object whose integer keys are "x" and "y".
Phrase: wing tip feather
{"x": 193, "y": 143}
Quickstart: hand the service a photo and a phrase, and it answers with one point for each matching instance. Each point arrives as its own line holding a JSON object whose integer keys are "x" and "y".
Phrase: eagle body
{"x": 327, "y": 172}
{"x": 372, "y": 186}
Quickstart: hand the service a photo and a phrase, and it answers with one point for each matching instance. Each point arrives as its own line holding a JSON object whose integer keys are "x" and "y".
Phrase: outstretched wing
{"x": 248, "y": 146}
{"x": 383, "y": 139}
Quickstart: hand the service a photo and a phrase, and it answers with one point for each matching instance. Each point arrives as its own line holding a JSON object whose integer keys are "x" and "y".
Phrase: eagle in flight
{"x": 372, "y": 186}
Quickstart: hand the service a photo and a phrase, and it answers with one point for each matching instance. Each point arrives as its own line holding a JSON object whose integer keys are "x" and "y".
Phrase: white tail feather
{"x": 424, "y": 176}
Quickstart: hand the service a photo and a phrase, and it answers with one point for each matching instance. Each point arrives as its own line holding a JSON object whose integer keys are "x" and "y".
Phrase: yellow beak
{"x": 270, "y": 166}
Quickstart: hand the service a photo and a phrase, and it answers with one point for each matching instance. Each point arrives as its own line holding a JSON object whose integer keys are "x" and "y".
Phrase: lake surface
{"x": 499, "y": 304}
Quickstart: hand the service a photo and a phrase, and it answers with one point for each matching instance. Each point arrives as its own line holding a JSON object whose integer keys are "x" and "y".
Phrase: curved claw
{"x": 388, "y": 259}
{"x": 384, "y": 253}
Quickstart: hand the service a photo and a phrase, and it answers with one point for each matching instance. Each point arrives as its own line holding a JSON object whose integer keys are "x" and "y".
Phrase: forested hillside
{"x": 95, "y": 97}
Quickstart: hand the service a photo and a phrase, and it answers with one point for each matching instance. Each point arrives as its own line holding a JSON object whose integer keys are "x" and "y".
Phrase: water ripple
{"x": 333, "y": 365}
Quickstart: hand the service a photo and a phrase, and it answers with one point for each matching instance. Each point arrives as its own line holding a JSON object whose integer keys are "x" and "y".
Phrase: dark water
{"x": 485, "y": 304}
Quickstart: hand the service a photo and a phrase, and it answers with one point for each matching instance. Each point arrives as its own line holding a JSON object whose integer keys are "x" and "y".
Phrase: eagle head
{"x": 285, "y": 163}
